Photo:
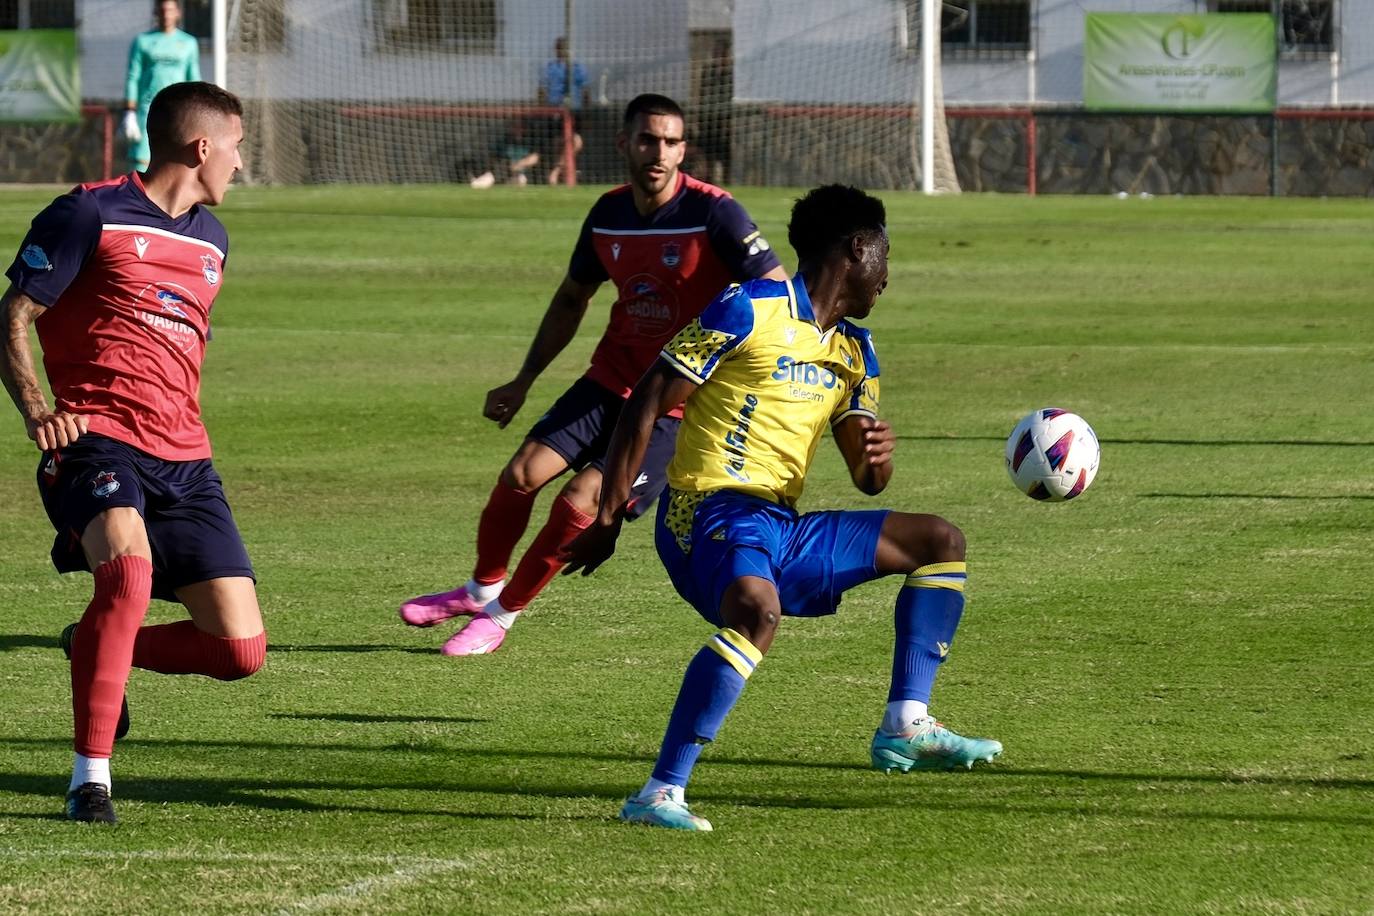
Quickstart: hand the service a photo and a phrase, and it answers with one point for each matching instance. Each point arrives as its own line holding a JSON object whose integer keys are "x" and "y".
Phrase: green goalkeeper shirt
{"x": 158, "y": 59}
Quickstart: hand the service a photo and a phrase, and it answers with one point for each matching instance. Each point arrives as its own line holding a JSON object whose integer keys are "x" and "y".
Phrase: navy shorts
{"x": 812, "y": 559}
{"x": 579, "y": 425}
{"x": 190, "y": 527}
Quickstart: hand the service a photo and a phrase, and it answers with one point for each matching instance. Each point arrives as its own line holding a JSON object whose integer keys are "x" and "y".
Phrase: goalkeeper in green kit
{"x": 157, "y": 59}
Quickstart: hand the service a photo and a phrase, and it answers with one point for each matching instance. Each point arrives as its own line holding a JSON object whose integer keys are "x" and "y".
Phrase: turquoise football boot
{"x": 928, "y": 745}
{"x": 661, "y": 809}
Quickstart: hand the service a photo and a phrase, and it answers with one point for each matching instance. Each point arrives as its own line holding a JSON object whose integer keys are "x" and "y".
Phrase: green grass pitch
{"x": 1178, "y": 663}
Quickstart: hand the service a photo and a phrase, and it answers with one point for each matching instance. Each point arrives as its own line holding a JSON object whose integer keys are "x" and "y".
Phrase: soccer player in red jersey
{"x": 119, "y": 278}
{"x": 669, "y": 243}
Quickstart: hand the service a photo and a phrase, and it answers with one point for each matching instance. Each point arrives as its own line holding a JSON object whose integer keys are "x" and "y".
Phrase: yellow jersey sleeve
{"x": 723, "y": 326}
{"x": 862, "y": 397}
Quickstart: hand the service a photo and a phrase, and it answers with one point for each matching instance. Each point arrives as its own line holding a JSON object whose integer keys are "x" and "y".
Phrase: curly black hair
{"x": 829, "y": 216}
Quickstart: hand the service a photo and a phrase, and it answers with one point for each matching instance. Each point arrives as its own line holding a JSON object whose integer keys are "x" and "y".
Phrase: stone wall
{"x": 48, "y": 153}
{"x": 1321, "y": 153}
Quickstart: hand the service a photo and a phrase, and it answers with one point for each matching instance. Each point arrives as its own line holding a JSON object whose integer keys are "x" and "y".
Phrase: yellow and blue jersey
{"x": 770, "y": 381}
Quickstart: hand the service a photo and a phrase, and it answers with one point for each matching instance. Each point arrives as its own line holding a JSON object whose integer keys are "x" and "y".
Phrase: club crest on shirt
{"x": 210, "y": 268}
{"x": 104, "y": 483}
{"x": 672, "y": 254}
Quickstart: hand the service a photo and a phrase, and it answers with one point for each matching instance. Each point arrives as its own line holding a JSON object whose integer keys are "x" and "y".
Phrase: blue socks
{"x": 713, "y": 682}
{"x": 928, "y": 610}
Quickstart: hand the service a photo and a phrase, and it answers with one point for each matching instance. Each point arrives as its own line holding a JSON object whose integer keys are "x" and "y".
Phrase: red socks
{"x": 504, "y": 520}
{"x": 180, "y": 648}
{"x": 540, "y": 563}
{"x": 103, "y": 647}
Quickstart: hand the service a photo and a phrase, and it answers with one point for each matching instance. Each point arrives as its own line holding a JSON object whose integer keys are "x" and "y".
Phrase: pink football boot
{"x": 481, "y": 636}
{"x": 427, "y": 610}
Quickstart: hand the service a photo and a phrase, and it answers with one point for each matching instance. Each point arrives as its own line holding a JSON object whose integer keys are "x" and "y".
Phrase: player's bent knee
{"x": 947, "y": 541}
{"x": 910, "y": 541}
{"x": 751, "y": 607}
{"x": 242, "y": 657}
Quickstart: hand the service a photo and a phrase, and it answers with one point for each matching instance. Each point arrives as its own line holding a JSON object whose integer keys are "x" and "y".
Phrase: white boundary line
{"x": 351, "y": 894}
{"x": 219, "y": 855}
{"x": 406, "y": 869}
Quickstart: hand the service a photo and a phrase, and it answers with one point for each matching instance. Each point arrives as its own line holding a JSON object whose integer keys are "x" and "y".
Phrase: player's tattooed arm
{"x": 866, "y": 445}
{"x": 48, "y": 429}
{"x": 556, "y": 330}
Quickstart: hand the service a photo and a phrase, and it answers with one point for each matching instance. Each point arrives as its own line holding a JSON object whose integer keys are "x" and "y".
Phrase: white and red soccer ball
{"x": 1052, "y": 454}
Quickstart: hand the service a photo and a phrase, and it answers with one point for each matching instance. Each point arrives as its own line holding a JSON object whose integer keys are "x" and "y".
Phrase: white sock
{"x": 499, "y": 615}
{"x": 484, "y": 593}
{"x": 675, "y": 792}
{"x": 90, "y": 769}
{"x": 901, "y": 713}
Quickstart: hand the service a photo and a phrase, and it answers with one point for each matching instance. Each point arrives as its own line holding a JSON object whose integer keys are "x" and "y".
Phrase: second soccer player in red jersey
{"x": 669, "y": 243}
{"x": 119, "y": 278}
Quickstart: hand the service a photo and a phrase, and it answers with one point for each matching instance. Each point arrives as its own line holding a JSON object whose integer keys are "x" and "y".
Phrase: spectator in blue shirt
{"x": 556, "y": 88}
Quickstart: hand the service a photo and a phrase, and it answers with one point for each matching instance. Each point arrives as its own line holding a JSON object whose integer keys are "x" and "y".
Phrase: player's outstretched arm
{"x": 866, "y": 445}
{"x": 556, "y": 330}
{"x": 49, "y": 430}
{"x": 660, "y": 390}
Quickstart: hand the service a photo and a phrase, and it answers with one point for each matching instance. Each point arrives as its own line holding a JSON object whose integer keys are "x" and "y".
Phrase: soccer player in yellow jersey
{"x": 763, "y": 370}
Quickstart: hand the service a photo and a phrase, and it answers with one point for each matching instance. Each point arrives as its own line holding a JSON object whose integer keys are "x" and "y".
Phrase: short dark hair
{"x": 830, "y": 216}
{"x": 177, "y": 112}
{"x": 651, "y": 103}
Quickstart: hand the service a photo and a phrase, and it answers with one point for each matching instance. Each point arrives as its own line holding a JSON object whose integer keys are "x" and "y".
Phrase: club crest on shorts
{"x": 672, "y": 254}
{"x": 210, "y": 267}
{"x": 104, "y": 483}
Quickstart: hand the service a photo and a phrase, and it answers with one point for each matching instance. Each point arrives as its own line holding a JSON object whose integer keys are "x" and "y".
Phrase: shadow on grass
{"x": 994, "y": 771}
{"x": 341, "y": 795}
{"x": 367, "y": 717}
{"x": 372, "y": 647}
{"x": 1299, "y": 496}
{"x": 12, "y": 641}
{"x": 1315, "y": 443}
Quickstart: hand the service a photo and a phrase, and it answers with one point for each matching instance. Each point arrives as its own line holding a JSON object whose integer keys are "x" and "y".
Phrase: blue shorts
{"x": 811, "y": 559}
{"x": 579, "y": 425}
{"x": 190, "y": 528}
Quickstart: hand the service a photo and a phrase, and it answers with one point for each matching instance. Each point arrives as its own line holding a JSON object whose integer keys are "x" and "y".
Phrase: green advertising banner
{"x": 40, "y": 79}
{"x": 1166, "y": 62}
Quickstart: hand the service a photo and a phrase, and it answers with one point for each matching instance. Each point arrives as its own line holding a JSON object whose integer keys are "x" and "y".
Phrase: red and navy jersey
{"x": 666, "y": 267}
{"x": 128, "y": 291}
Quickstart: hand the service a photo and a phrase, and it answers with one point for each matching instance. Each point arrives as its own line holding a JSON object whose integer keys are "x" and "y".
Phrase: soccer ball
{"x": 1052, "y": 454}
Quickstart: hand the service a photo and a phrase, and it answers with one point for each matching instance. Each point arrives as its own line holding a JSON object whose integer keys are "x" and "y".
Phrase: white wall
{"x": 798, "y": 51}
{"x": 850, "y": 50}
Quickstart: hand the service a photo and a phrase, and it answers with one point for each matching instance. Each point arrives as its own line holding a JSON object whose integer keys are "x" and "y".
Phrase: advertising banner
{"x": 1223, "y": 62}
{"x": 40, "y": 79}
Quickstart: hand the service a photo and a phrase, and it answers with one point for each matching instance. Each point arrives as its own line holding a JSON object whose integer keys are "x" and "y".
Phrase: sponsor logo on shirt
{"x": 172, "y": 303}
{"x": 755, "y": 243}
{"x": 167, "y": 308}
{"x": 737, "y": 439}
{"x": 210, "y": 267}
{"x": 651, "y": 308}
{"x": 140, "y": 245}
{"x": 615, "y": 251}
{"x": 104, "y": 484}
{"x": 36, "y": 258}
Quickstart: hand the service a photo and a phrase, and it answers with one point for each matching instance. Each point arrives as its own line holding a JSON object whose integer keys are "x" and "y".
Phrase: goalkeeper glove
{"x": 129, "y": 127}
